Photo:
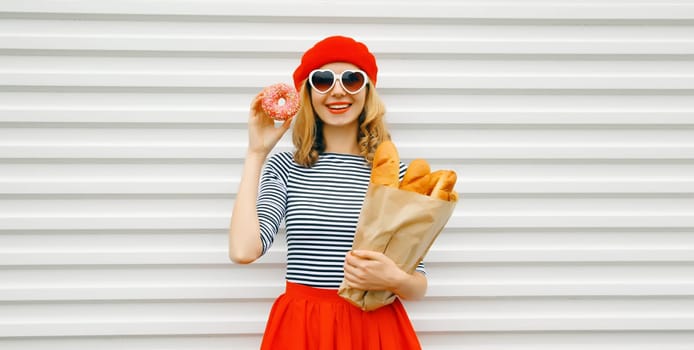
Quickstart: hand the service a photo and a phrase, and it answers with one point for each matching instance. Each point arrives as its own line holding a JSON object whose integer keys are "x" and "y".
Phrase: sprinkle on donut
{"x": 280, "y": 101}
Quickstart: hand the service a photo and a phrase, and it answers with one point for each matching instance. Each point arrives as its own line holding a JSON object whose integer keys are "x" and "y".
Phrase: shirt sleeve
{"x": 272, "y": 200}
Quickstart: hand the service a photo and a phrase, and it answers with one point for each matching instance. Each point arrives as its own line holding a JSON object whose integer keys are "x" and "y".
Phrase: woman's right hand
{"x": 262, "y": 133}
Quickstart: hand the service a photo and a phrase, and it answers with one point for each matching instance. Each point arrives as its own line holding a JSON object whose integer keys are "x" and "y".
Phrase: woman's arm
{"x": 369, "y": 270}
{"x": 245, "y": 245}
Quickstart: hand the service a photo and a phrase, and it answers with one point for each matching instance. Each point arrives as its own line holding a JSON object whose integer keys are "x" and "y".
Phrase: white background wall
{"x": 570, "y": 124}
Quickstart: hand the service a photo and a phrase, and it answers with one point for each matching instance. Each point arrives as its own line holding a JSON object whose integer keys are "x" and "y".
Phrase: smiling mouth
{"x": 339, "y": 107}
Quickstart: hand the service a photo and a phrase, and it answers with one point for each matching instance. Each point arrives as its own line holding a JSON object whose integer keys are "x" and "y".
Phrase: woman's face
{"x": 337, "y": 107}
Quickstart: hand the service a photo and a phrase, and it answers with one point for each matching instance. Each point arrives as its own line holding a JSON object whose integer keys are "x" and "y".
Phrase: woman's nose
{"x": 337, "y": 89}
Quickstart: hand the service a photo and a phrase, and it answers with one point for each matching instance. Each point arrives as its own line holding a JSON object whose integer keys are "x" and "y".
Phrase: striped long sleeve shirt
{"x": 320, "y": 208}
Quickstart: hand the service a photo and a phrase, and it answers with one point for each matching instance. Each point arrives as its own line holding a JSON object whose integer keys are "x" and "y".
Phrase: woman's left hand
{"x": 368, "y": 270}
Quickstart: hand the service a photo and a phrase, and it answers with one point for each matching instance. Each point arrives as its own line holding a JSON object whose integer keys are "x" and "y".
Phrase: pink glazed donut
{"x": 280, "y": 101}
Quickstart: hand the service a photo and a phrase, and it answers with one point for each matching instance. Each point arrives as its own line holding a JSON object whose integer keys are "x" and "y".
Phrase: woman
{"x": 318, "y": 190}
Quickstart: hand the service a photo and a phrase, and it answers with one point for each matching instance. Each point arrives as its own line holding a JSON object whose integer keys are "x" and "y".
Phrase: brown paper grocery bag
{"x": 401, "y": 224}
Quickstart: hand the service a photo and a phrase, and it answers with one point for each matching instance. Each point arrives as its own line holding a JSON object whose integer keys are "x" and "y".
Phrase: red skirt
{"x": 306, "y": 318}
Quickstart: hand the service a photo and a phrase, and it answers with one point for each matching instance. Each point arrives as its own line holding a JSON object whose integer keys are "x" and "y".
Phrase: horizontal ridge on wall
{"x": 387, "y": 82}
{"x": 234, "y": 117}
{"x": 50, "y": 186}
{"x": 228, "y": 317}
{"x": 460, "y": 220}
{"x": 565, "y": 10}
{"x": 133, "y": 150}
{"x": 616, "y": 46}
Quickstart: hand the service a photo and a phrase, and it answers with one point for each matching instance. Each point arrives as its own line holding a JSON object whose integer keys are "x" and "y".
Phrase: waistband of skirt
{"x": 300, "y": 290}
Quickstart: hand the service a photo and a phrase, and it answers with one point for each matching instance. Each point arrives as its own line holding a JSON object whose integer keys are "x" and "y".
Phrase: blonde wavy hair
{"x": 307, "y": 133}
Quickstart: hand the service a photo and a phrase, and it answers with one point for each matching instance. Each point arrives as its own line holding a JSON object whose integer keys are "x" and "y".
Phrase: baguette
{"x": 443, "y": 182}
{"x": 386, "y": 165}
{"x": 417, "y": 177}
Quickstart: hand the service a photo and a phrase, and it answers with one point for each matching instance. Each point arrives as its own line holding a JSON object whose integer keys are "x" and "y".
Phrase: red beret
{"x": 336, "y": 49}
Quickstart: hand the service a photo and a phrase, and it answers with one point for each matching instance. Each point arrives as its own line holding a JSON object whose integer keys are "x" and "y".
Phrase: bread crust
{"x": 386, "y": 165}
{"x": 444, "y": 181}
{"x": 417, "y": 177}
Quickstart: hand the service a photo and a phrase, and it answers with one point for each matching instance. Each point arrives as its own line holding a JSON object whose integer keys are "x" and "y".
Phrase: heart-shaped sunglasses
{"x": 323, "y": 80}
